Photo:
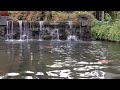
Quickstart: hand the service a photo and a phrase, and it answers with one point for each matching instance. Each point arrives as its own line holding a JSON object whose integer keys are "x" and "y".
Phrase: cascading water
{"x": 20, "y": 26}
{"x": 70, "y": 24}
{"x": 55, "y": 33}
{"x": 7, "y": 30}
{"x": 71, "y": 36}
{"x": 12, "y": 30}
{"x": 41, "y": 26}
{"x": 30, "y": 30}
{"x": 24, "y": 31}
{"x": 27, "y": 31}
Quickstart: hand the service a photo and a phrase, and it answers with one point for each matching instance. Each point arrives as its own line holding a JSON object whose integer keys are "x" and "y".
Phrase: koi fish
{"x": 105, "y": 61}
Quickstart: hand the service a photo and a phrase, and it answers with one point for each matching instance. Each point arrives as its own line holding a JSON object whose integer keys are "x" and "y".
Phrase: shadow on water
{"x": 59, "y": 60}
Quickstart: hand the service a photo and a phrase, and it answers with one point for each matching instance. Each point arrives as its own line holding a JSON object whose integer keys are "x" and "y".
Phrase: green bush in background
{"x": 106, "y": 30}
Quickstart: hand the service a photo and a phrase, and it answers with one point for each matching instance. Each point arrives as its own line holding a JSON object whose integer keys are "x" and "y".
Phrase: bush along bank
{"x": 106, "y": 30}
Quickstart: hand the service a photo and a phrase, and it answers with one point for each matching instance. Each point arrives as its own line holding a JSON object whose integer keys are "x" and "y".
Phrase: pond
{"x": 59, "y": 60}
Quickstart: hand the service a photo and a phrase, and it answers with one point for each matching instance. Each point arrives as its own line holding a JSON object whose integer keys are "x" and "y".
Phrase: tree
{"x": 102, "y": 16}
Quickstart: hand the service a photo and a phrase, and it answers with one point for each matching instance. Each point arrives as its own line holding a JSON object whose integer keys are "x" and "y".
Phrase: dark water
{"x": 59, "y": 60}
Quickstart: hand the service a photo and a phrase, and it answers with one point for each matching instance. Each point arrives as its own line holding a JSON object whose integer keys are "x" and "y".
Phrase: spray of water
{"x": 41, "y": 28}
{"x": 71, "y": 36}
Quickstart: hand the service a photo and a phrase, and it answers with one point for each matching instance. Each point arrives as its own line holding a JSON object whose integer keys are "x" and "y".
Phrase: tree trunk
{"x": 102, "y": 16}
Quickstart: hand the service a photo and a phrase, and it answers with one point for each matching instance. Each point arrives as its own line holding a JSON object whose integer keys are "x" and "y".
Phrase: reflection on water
{"x": 59, "y": 60}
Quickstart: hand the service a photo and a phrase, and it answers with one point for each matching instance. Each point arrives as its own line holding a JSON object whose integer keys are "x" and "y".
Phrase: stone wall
{"x": 84, "y": 27}
{"x": 81, "y": 28}
{"x": 3, "y": 20}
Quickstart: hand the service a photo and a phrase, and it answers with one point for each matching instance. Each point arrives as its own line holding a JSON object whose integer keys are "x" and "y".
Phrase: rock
{"x": 47, "y": 37}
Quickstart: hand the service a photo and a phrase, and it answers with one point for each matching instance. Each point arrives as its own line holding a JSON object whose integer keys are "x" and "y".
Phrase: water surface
{"x": 59, "y": 60}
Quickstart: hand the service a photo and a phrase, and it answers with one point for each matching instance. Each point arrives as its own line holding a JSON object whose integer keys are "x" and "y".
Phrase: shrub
{"x": 106, "y": 30}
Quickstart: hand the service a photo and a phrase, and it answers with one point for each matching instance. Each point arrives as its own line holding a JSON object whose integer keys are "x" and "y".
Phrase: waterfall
{"x": 43, "y": 30}
{"x": 71, "y": 36}
{"x": 7, "y": 30}
{"x": 30, "y": 29}
{"x": 41, "y": 26}
{"x": 70, "y": 24}
{"x": 24, "y": 32}
{"x": 12, "y": 30}
{"x": 57, "y": 34}
{"x": 72, "y": 31}
{"x": 20, "y": 25}
{"x": 57, "y": 31}
{"x": 27, "y": 33}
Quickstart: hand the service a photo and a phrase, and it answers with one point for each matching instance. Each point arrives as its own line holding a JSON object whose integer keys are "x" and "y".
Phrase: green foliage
{"x": 108, "y": 17}
{"x": 114, "y": 15}
{"x": 106, "y": 30}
